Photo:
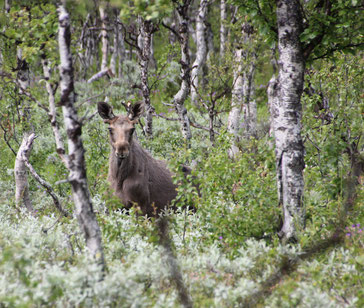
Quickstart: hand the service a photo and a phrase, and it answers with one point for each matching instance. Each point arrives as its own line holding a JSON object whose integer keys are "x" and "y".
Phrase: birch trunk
{"x": 24, "y": 152}
{"x": 83, "y": 45}
{"x": 236, "y": 102}
{"x": 201, "y": 51}
{"x": 181, "y": 95}
{"x": 21, "y": 176}
{"x": 7, "y": 6}
{"x": 121, "y": 50}
{"x": 105, "y": 37}
{"x": 223, "y": 29}
{"x": 152, "y": 60}
{"x": 209, "y": 42}
{"x": 271, "y": 86}
{"x": 115, "y": 49}
{"x": 249, "y": 104}
{"x": 243, "y": 92}
{"x": 144, "y": 44}
{"x": 20, "y": 169}
{"x": 287, "y": 113}
{"x": 52, "y": 113}
{"x": 76, "y": 159}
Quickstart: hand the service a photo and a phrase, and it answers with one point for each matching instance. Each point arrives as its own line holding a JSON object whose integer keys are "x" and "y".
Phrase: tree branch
{"x": 45, "y": 184}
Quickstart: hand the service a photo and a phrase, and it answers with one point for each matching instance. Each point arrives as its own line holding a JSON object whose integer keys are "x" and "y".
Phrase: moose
{"x": 134, "y": 175}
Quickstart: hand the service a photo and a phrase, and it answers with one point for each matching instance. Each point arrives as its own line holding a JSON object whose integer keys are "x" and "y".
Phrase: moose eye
{"x": 110, "y": 130}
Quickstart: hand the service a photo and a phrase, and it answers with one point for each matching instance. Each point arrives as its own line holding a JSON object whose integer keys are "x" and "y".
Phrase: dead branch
{"x": 45, "y": 184}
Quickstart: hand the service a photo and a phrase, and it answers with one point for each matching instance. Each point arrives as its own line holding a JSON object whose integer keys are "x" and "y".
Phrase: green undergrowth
{"x": 44, "y": 261}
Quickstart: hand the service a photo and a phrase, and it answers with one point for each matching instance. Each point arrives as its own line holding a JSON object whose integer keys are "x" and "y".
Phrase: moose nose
{"x": 122, "y": 150}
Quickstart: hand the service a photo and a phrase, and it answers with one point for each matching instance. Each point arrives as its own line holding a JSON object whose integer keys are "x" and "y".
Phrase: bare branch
{"x": 36, "y": 176}
{"x": 174, "y": 31}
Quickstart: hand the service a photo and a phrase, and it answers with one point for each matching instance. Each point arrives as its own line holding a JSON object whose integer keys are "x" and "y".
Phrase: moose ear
{"x": 136, "y": 111}
{"x": 105, "y": 111}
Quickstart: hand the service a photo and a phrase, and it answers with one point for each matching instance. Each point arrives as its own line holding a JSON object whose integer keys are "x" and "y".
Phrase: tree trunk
{"x": 105, "y": 37}
{"x": 236, "y": 102}
{"x": 287, "y": 113}
{"x": 21, "y": 176}
{"x": 121, "y": 49}
{"x": 252, "y": 105}
{"x": 209, "y": 42}
{"x": 270, "y": 92}
{"x": 201, "y": 51}
{"x": 171, "y": 260}
{"x": 144, "y": 45}
{"x": 20, "y": 169}
{"x": 52, "y": 112}
{"x": 181, "y": 95}
{"x": 24, "y": 152}
{"x": 249, "y": 104}
{"x": 115, "y": 48}
{"x": 223, "y": 29}
{"x": 76, "y": 159}
{"x": 152, "y": 60}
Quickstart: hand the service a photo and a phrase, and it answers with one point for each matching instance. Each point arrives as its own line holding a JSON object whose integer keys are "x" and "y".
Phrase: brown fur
{"x": 135, "y": 176}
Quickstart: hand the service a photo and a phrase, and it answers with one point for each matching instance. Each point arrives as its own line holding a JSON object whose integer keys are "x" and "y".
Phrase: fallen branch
{"x": 45, "y": 184}
{"x": 107, "y": 71}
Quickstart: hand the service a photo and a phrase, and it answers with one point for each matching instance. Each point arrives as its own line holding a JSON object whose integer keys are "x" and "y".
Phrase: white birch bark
{"x": 249, "y": 108}
{"x": 115, "y": 50}
{"x": 7, "y": 6}
{"x": 234, "y": 118}
{"x": 180, "y": 97}
{"x": 20, "y": 169}
{"x": 24, "y": 153}
{"x": 270, "y": 92}
{"x": 121, "y": 49}
{"x": 201, "y": 51}
{"x": 52, "y": 113}
{"x": 21, "y": 176}
{"x": 253, "y": 120}
{"x": 99, "y": 75}
{"x": 144, "y": 43}
{"x": 249, "y": 104}
{"x": 287, "y": 114}
{"x": 210, "y": 42}
{"x": 76, "y": 160}
{"x": 152, "y": 60}
{"x": 105, "y": 37}
{"x": 223, "y": 28}
{"x": 82, "y": 50}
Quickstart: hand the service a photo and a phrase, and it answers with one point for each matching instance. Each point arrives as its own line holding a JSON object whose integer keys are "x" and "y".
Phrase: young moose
{"x": 135, "y": 176}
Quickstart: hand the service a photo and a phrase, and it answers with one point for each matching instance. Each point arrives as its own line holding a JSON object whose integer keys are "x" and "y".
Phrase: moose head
{"x": 121, "y": 127}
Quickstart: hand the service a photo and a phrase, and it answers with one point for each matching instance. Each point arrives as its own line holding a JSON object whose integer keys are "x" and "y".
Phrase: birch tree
{"x": 75, "y": 157}
{"x": 223, "y": 28}
{"x": 249, "y": 104}
{"x": 286, "y": 107}
{"x": 104, "y": 37}
{"x": 146, "y": 29}
{"x": 233, "y": 125}
{"x": 242, "y": 100}
{"x": 201, "y": 51}
{"x": 180, "y": 97}
{"x": 20, "y": 169}
{"x": 115, "y": 47}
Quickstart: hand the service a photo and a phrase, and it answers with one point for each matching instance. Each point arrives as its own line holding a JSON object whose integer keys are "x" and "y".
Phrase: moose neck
{"x": 119, "y": 169}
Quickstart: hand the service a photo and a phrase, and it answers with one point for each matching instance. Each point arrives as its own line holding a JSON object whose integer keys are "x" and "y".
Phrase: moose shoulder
{"x": 134, "y": 175}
